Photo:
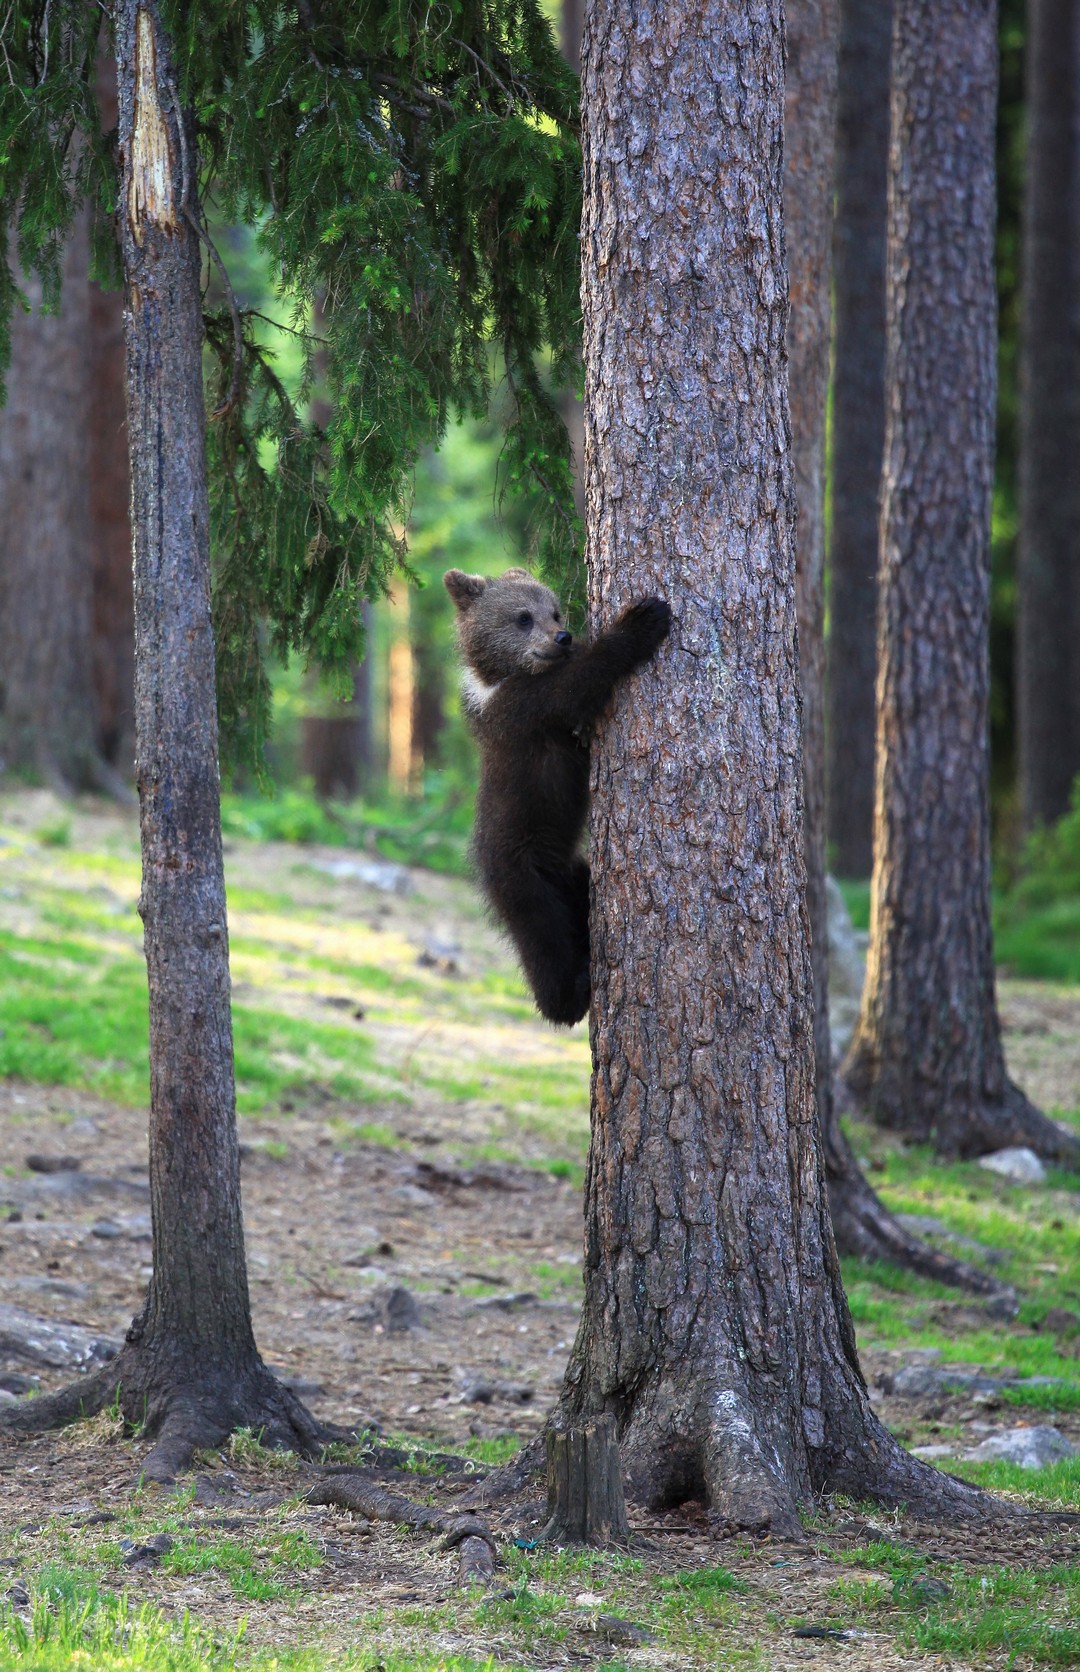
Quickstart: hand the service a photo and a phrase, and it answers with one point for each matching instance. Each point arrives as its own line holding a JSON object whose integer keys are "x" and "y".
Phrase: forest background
{"x": 415, "y": 775}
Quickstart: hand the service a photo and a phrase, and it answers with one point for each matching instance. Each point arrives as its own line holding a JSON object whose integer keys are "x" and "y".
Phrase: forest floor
{"x": 413, "y": 1153}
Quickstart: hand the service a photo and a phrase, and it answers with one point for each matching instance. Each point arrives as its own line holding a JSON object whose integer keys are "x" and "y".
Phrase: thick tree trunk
{"x": 1048, "y": 574}
{"x": 189, "y": 1371}
{"x": 863, "y": 1225}
{"x": 862, "y": 147}
{"x": 715, "y": 1328}
{"x": 47, "y": 703}
{"x": 927, "y": 1058}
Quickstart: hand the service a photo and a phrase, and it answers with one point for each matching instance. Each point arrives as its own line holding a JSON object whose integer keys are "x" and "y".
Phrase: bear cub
{"x": 532, "y": 698}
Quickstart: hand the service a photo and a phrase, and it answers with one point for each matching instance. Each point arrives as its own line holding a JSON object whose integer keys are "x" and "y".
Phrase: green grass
{"x": 92, "y": 1631}
{"x": 1026, "y": 1614}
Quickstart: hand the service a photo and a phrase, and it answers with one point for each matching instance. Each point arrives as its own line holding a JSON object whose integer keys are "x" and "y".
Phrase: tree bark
{"x": 863, "y": 1224}
{"x": 47, "y": 703}
{"x": 714, "y": 1328}
{"x": 862, "y": 147}
{"x": 189, "y": 1371}
{"x": 1048, "y": 576}
{"x": 927, "y": 1057}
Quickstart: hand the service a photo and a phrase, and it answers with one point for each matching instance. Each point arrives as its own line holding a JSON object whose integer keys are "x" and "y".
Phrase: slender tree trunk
{"x": 863, "y": 1225}
{"x": 927, "y": 1058}
{"x": 862, "y": 148}
{"x": 1048, "y": 568}
{"x": 189, "y": 1371}
{"x": 715, "y": 1328}
{"x": 47, "y": 704}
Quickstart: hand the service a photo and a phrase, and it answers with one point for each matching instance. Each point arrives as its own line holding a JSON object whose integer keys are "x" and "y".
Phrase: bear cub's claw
{"x": 648, "y": 622}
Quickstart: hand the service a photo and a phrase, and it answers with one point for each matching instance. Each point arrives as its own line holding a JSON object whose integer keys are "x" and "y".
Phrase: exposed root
{"x": 1015, "y": 1120}
{"x": 467, "y": 1534}
{"x": 863, "y": 1226}
{"x": 74, "y": 1403}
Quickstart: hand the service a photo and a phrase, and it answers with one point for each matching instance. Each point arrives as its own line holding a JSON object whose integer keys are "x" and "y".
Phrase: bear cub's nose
{"x": 564, "y": 638}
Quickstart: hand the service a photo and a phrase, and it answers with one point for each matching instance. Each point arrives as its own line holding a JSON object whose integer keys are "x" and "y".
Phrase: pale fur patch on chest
{"x": 476, "y": 693}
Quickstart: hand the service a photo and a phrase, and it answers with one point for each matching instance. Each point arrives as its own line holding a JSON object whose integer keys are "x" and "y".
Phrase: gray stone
{"x": 847, "y": 970}
{"x": 916, "y": 1380}
{"x": 1018, "y": 1164}
{"x": 399, "y": 1310}
{"x": 1032, "y": 1448}
{"x": 413, "y": 1196}
{"x": 379, "y": 874}
{"x": 46, "y": 1341}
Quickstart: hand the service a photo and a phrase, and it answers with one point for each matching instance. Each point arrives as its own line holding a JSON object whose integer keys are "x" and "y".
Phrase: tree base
{"x": 958, "y": 1134}
{"x": 181, "y": 1413}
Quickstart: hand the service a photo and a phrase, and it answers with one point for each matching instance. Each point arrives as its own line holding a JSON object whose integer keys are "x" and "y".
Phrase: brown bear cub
{"x": 532, "y": 697}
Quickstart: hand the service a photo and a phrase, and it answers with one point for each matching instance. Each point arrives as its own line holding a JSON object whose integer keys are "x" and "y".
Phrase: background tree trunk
{"x": 715, "y": 1328}
{"x": 189, "y": 1371}
{"x": 47, "y": 702}
{"x": 862, "y": 148}
{"x": 110, "y": 498}
{"x": 1048, "y": 572}
{"x": 863, "y": 1225}
{"x": 113, "y": 604}
{"x": 927, "y": 1058}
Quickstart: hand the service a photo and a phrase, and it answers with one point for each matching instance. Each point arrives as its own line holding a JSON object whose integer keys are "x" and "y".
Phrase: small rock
{"x": 622, "y": 1634}
{"x": 11, "y": 1382}
{"x": 1031, "y": 1448}
{"x": 441, "y": 955}
{"x": 505, "y": 1303}
{"x": 1018, "y": 1164}
{"x": 379, "y": 874}
{"x": 413, "y": 1196}
{"x": 931, "y": 1454}
{"x": 1061, "y": 1321}
{"x": 400, "y": 1311}
{"x": 107, "y": 1229}
{"x": 145, "y": 1555}
{"x": 53, "y": 1163}
{"x": 19, "y": 1596}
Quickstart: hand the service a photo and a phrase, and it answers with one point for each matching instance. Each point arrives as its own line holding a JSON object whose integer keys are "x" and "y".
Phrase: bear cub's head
{"x": 507, "y": 625}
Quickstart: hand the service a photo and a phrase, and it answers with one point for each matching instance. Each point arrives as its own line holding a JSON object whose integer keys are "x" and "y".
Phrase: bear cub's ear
{"x": 464, "y": 589}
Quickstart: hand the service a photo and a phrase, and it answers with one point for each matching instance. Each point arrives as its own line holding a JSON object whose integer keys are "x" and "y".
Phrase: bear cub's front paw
{"x": 647, "y": 624}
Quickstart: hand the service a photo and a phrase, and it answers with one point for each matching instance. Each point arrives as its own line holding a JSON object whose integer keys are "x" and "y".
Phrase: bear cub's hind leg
{"x": 547, "y": 913}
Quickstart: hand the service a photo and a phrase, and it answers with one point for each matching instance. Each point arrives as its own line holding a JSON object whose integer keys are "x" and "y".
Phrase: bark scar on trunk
{"x": 150, "y": 193}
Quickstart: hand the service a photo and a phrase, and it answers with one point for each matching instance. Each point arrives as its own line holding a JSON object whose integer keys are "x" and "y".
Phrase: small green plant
{"x": 54, "y": 833}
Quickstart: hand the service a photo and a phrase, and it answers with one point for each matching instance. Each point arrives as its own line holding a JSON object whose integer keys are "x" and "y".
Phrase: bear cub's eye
{"x": 524, "y": 619}
{"x": 557, "y": 617}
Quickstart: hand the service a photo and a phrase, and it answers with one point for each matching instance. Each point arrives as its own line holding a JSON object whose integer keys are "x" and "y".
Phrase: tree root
{"x": 361, "y": 1495}
{"x": 1013, "y": 1121}
{"x": 74, "y": 1403}
{"x": 863, "y": 1226}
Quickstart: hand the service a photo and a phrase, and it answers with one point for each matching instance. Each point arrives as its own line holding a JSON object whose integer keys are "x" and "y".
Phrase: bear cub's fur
{"x": 532, "y": 697}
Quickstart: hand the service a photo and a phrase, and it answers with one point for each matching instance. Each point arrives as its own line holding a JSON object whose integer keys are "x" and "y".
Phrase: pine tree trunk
{"x": 862, "y": 147}
{"x": 189, "y": 1371}
{"x": 714, "y": 1328}
{"x": 927, "y": 1057}
{"x": 1048, "y": 574}
{"x": 863, "y": 1225}
{"x": 47, "y": 702}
